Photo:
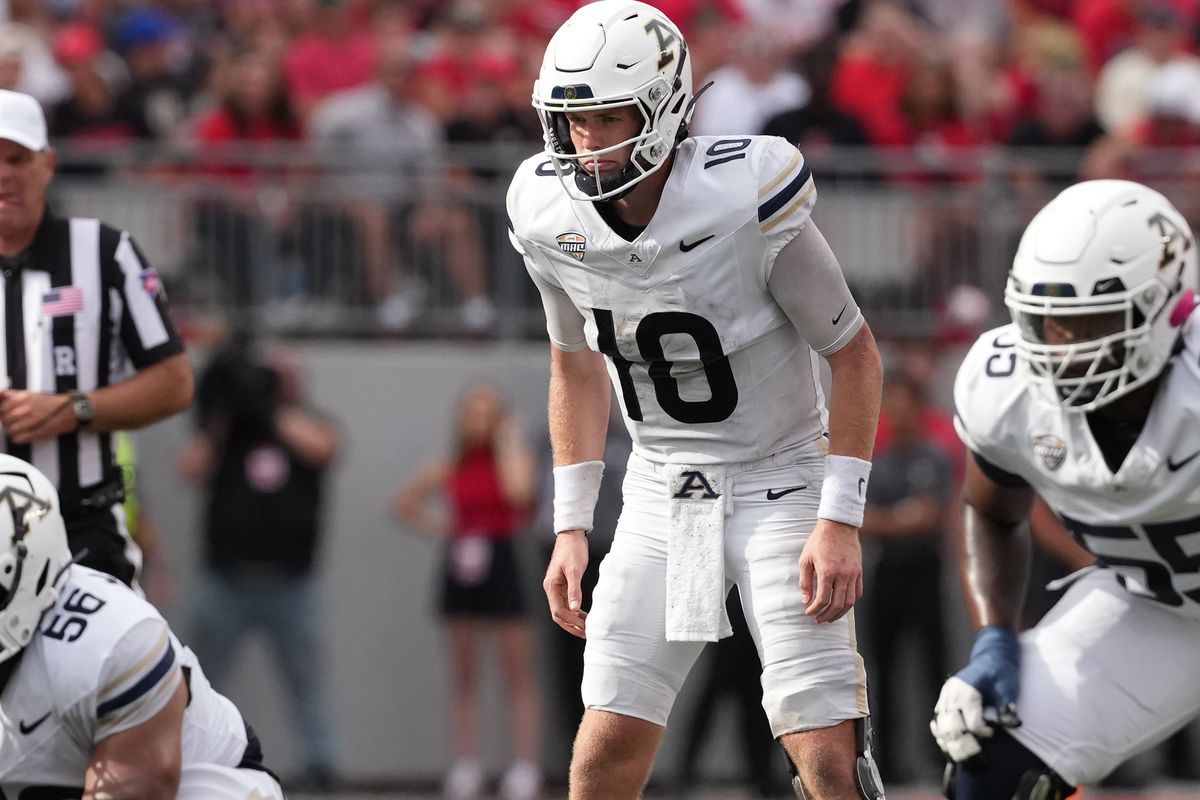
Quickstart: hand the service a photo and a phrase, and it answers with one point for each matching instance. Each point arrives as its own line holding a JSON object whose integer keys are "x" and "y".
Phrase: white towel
{"x": 696, "y": 555}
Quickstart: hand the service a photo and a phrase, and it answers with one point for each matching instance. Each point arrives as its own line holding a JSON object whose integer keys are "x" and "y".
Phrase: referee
{"x": 80, "y": 306}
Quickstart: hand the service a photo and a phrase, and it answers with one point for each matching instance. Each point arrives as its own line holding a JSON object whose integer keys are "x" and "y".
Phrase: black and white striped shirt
{"x": 81, "y": 305}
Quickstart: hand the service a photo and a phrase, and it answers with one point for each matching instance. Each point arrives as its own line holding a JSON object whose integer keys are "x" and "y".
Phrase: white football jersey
{"x": 707, "y": 366}
{"x": 1144, "y": 521}
{"x": 102, "y": 662}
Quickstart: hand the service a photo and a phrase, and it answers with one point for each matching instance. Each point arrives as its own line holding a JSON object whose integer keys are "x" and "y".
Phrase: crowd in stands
{"x": 923, "y": 84}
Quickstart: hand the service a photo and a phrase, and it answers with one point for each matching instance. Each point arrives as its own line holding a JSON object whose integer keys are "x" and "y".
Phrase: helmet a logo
{"x": 573, "y": 244}
{"x": 1170, "y": 235}
{"x": 1051, "y": 449}
{"x": 666, "y": 37}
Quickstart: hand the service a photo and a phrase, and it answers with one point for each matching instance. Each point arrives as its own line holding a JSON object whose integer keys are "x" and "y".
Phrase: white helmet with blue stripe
{"x": 608, "y": 54}
{"x": 1103, "y": 280}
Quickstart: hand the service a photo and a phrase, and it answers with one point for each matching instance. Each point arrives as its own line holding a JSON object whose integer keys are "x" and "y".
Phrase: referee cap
{"x": 22, "y": 120}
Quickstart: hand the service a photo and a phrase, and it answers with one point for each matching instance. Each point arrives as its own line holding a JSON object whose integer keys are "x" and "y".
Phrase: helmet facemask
{"x": 1084, "y": 353}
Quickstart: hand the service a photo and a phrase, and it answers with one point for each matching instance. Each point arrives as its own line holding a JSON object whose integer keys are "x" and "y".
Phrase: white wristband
{"x": 844, "y": 492}
{"x": 576, "y": 489}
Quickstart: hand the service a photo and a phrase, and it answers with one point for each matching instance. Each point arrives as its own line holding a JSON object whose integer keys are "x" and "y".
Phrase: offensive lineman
{"x": 98, "y": 698}
{"x": 1091, "y": 399}
{"x": 689, "y": 269}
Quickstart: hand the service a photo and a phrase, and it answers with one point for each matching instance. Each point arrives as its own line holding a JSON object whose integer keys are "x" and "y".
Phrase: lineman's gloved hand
{"x": 992, "y": 678}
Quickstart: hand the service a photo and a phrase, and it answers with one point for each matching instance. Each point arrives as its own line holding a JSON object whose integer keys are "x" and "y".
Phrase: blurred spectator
{"x": 232, "y": 241}
{"x": 1172, "y": 123}
{"x": 163, "y": 74}
{"x": 1160, "y": 36}
{"x": 872, "y": 75}
{"x": 262, "y": 458}
{"x": 488, "y": 482}
{"x": 1062, "y": 119}
{"x": 756, "y": 86}
{"x": 908, "y": 506}
{"x": 394, "y": 145}
{"x": 334, "y": 54}
{"x": 1107, "y": 28}
{"x": 817, "y": 124}
{"x": 98, "y": 112}
{"x": 25, "y": 54}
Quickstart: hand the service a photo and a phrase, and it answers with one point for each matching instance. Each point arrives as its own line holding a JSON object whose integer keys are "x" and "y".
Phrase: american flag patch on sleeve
{"x": 62, "y": 301}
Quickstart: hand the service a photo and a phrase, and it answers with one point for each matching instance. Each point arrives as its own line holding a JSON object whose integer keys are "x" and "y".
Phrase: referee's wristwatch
{"x": 84, "y": 410}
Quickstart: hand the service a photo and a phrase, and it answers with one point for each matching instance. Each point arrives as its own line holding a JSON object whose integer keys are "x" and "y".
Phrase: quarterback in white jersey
{"x": 1090, "y": 399}
{"x": 689, "y": 270}
{"x": 99, "y": 699}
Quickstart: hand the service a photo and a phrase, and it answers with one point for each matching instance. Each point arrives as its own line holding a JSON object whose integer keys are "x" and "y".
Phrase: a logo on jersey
{"x": 634, "y": 258}
{"x": 151, "y": 282}
{"x": 1051, "y": 449}
{"x": 694, "y": 481}
{"x": 573, "y": 244}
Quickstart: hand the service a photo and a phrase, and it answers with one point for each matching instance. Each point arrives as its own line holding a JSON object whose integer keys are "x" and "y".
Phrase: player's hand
{"x": 831, "y": 579}
{"x": 32, "y": 416}
{"x": 562, "y": 583}
{"x": 992, "y": 678}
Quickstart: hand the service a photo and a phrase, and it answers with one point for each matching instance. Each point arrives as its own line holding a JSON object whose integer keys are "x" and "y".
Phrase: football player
{"x": 98, "y": 698}
{"x": 1090, "y": 399}
{"x": 690, "y": 271}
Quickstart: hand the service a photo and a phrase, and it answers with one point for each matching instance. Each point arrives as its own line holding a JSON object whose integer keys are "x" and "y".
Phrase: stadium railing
{"x": 276, "y": 236}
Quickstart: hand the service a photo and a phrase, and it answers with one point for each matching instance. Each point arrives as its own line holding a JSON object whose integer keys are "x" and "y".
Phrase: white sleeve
{"x": 138, "y": 678}
{"x": 786, "y": 193}
{"x": 564, "y": 323}
{"x": 807, "y": 283}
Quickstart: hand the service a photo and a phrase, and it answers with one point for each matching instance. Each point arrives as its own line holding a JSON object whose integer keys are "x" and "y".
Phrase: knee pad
{"x": 866, "y": 773}
{"x": 1004, "y": 770}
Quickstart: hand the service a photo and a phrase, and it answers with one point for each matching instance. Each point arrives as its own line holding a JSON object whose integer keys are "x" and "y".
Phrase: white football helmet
{"x": 614, "y": 53}
{"x": 1119, "y": 254}
{"x": 34, "y": 555}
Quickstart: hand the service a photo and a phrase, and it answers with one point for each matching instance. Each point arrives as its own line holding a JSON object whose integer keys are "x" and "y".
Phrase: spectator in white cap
{"x": 80, "y": 301}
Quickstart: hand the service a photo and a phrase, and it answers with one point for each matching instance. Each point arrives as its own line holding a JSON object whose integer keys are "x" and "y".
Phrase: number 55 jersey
{"x": 707, "y": 365}
{"x": 1142, "y": 520}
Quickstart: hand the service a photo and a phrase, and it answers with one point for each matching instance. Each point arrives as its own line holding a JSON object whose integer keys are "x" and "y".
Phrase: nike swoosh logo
{"x": 861, "y": 483}
{"x": 838, "y": 318}
{"x": 29, "y": 728}
{"x": 775, "y": 494}
{"x": 1177, "y": 465}
{"x": 687, "y": 248}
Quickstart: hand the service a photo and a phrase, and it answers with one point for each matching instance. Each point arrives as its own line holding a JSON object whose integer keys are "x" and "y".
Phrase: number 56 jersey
{"x": 707, "y": 365}
{"x": 103, "y": 661}
{"x": 1144, "y": 519}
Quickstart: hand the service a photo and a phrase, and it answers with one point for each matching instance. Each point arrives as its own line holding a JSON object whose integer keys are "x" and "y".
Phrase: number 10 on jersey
{"x": 651, "y": 328}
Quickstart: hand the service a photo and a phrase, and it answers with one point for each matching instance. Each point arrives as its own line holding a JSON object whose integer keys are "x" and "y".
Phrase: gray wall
{"x": 387, "y": 671}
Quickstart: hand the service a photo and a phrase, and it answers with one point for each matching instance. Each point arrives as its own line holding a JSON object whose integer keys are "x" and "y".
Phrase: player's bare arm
{"x": 831, "y": 576}
{"x": 578, "y": 411}
{"x": 995, "y": 548}
{"x": 144, "y": 761}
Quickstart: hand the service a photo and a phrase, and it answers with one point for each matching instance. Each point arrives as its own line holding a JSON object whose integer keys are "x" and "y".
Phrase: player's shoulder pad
{"x": 784, "y": 186}
{"x": 94, "y": 615}
{"x": 987, "y": 388}
{"x": 534, "y": 190}
{"x": 759, "y": 176}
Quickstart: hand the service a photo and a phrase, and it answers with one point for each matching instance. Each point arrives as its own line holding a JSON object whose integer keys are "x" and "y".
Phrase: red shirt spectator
{"x": 477, "y": 499}
{"x": 332, "y": 57}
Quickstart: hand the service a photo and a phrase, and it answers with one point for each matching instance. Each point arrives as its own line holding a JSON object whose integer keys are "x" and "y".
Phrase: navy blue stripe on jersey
{"x": 784, "y": 195}
{"x": 142, "y": 687}
{"x": 998, "y": 476}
